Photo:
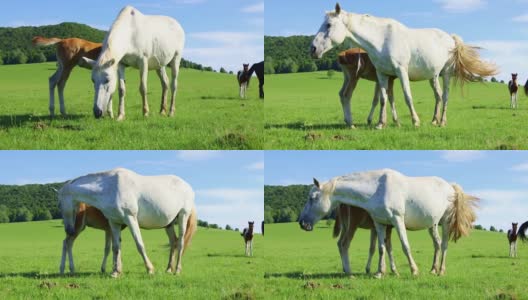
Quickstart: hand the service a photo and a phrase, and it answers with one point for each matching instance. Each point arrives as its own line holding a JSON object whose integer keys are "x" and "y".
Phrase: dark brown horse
{"x": 522, "y": 231}
{"x": 513, "y": 87}
{"x": 512, "y": 239}
{"x": 258, "y": 68}
{"x": 247, "y": 233}
{"x": 243, "y": 78}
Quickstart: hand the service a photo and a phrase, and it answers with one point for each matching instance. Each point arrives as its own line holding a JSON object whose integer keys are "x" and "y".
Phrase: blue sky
{"x": 228, "y": 184}
{"x": 499, "y": 178}
{"x": 218, "y": 32}
{"x": 500, "y": 26}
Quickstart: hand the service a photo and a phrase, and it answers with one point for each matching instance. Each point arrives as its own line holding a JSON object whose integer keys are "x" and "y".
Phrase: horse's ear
{"x": 337, "y": 9}
{"x": 86, "y": 62}
{"x": 316, "y": 183}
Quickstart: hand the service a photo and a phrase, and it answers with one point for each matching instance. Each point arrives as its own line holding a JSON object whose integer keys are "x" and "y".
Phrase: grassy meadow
{"x": 303, "y": 111}
{"x": 209, "y": 113}
{"x": 306, "y": 265}
{"x": 214, "y": 267}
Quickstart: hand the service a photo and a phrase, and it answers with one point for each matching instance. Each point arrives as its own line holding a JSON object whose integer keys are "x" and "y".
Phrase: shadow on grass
{"x": 219, "y": 98}
{"x": 302, "y": 126}
{"x": 489, "y": 256}
{"x": 225, "y": 255}
{"x": 41, "y": 122}
{"x": 304, "y": 276}
{"x": 37, "y": 275}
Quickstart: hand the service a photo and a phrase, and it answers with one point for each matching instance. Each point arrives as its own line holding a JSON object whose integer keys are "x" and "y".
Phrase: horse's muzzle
{"x": 97, "y": 112}
{"x": 305, "y": 226}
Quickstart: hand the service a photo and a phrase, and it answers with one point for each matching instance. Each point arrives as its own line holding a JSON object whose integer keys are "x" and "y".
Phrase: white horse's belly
{"x": 151, "y": 215}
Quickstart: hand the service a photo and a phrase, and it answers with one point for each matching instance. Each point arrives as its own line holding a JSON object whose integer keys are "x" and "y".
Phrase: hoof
{"x": 352, "y": 126}
{"x": 443, "y": 124}
{"x": 120, "y": 117}
{"x": 115, "y": 274}
{"x": 163, "y": 112}
{"x": 171, "y": 114}
{"x": 415, "y": 272}
{"x": 380, "y": 126}
{"x": 416, "y": 124}
{"x": 378, "y": 275}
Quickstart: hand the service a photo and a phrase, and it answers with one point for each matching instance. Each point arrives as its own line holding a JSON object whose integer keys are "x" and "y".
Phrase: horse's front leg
{"x": 406, "y": 86}
{"x": 380, "y": 230}
{"x": 143, "y": 71}
{"x": 383, "y": 81}
{"x": 132, "y": 223}
{"x": 402, "y": 232}
{"x": 122, "y": 92}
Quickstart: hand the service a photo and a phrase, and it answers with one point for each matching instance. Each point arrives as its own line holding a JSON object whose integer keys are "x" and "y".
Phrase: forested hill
{"x": 292, "y": 54}
{"x": 284, "y": 203}
{"x": 16, "y": 46}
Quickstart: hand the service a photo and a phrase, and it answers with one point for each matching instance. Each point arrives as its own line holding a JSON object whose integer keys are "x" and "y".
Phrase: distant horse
{"x": 522, "y": 230}
{"x": 391, "y": 198}
{"x": 247, "y": 234}
{"x": 127, "y": 198}
{"x": 69, "y": 54}
{"x": 348, "y": 220}
{"x": 512, "y": 239}
{"x": 243, "y": 78}
{"x": 409, "y": 54}
{"x": 144, "y": 42}
{"x": 513, "y": 87}
{"x": 258, "y": 68}
{"x": 91, "y": 217}
{"x": 356, "y": 64}
{"x": 262, "y": 227}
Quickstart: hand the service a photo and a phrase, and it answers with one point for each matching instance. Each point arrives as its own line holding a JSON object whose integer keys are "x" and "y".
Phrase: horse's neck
{"x": 365, "y": 31}
{"x": 117, "y": 42}
{"x": 352, "y": 191}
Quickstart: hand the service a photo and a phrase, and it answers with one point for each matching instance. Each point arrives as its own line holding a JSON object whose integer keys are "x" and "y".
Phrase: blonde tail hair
{"x": 190, "y": 229}
{"x": 461, "y": 214}
{"x": 42, "y": 41}
{"x": 467, "y": 64}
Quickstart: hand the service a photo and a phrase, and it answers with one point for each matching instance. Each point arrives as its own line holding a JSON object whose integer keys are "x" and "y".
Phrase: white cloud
{"x": 255, "y": 8}
{"x": 510, "y": 55}
{"x": 229, "y": 195}
{"x": 197, "y": 155}
{"x": 226, "y": 37}
{"x": 501, "y": 207}
{"x": 259, "y": 165}
{"x": 462, "y": 155}
{"x": 521, "y": 18}
{"x": 461, "y": 6}
{"x": 520, "y": 167}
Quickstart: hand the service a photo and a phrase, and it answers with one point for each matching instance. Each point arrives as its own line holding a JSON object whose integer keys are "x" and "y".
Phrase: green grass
{"x": 306, "y": 265}
{"x": 303, "y": 111}
{"x": 209, "y": 113}
{"x": 214, "y": 267}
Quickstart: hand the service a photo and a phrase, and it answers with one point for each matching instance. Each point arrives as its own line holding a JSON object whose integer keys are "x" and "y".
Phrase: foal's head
{"x": 251, "y": 224}
{"x": 246, "y": 67}
{"x": 514, "y": 77}
{"x": 514, "y": 227}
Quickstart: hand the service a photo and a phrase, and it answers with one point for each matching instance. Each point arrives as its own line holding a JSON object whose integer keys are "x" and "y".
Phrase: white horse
{"x": 391, "y": 198}
{"x": 409, "y": 54}
{"x": 143, "y": 42}
{"x": 125, "y": 197}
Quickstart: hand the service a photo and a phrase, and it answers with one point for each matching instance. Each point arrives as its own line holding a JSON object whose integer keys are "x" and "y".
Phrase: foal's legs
{"x": 182, "y": 223}
{"x": 67, "y": 246}
{"x": 435, "y": 85}
{"x": 404, "y": 78}
{"x": 175, "y": 68}
{"x": 143, "y": 72}
{"x": 343, "y": 244}
{"x": 131, "y": 221}
{"x": 61, "y": 84}
{"x": 402, "y": 232}
{"x": 116, "y": 248}
{"x": 380, "y": 229}
{"x": 53, "y": 80}
{"x": 433, "y": 231}
{"x": 172, "y": 241}
{"x": 375, "y": 102}
{"x": 162, "y": 74}
{"x": 122, "y": 92}
{"x": 345, "y": 94}
{"x": 372, "y": 248}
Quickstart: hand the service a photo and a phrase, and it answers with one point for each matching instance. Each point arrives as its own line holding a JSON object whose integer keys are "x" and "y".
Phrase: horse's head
{"x": 514, "y": 226}
{"x": 317, "y": 206}
{"x": 69, "y": 210}
{"x": 514, "y": 76}
{"x": 104, "y": 78}
{"x": 331, "y": 33}
{"x": 251, "y": 224}
{"x": 246, "y": 67}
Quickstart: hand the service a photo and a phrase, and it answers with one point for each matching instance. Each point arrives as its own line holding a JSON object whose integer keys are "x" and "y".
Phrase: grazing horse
{"x": 141, "y": 41}
{"x": 243, "y": 78}
{"x": 247, "y": 234}
{"x": 391, "y": 198}
{"x": 348, "y": 220}
{"x": 512, "y": 239}
{"x": 262, "y": 227}
{"x": 127, "y": 198}
{"x": 406, "y": 53}
{"x": 513, "y": 87}
{"x": 91, "y": 217}
{"x": 258, "y": 68}
{"x": 356, "y": 64}
{"x": 69, "y": 54}
{"x": 522, "y": 231}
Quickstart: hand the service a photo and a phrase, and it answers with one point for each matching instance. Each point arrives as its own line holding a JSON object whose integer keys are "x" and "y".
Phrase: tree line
{"x": 284, "y": 203}
{"x": 292, "y": 54}
{"x": 16, "y": 46}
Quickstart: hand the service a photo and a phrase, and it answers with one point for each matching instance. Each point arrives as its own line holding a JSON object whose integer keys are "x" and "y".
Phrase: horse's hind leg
{"x": 445, "y": 240}
{"x": 435, "y": 85}
{"x": 61, "y": 84}
{"x": 131, "y": 221}
{"x": 175, "y": 68}
{"x": 445, "y": 98}
{"x": 162, "y": 74}
{"x": 143, "y": 72}
{"x": 53, "y": 80}
{"x": 433, "y": 231}
{"x": 182, "y": 223}
{"x": 172, "y": 241}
